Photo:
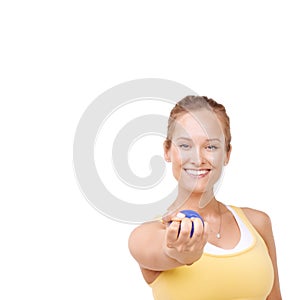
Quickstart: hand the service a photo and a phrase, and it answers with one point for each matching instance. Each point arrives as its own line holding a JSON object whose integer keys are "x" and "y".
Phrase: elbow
{"x": 133, "y": 245}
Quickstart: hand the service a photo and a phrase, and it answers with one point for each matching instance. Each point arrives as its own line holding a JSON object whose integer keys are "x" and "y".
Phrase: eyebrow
{"x": 207, "y": 140}
{"x": 213, "y": 140}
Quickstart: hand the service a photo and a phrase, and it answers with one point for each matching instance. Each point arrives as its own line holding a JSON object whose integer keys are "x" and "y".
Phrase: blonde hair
{"x": 193, "y": 103}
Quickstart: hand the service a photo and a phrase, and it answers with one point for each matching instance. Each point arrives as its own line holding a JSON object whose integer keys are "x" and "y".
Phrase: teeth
{"x": 196, "y": 172}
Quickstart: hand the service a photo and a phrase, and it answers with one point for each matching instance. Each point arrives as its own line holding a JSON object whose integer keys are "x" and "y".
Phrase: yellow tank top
{"x": 244, "y": 275}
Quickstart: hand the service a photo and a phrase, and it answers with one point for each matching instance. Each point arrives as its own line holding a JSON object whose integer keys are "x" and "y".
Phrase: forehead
{"x": 201, "y": 123}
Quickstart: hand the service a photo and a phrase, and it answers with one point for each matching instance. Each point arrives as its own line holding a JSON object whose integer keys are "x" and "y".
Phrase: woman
{"x": 231, "y": 255}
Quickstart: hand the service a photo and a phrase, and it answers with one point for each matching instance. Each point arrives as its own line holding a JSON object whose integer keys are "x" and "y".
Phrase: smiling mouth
{"x": 197, "y": 173}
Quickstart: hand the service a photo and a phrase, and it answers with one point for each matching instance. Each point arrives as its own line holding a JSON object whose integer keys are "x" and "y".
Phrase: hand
{"x": 179, "y": 245}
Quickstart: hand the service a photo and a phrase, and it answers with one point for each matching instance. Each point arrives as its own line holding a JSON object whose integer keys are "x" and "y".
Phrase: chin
{"x": 195, "y": 189}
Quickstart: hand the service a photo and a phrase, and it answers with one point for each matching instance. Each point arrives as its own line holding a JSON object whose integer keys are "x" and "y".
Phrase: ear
{"x": 227, "y": 156}
{"x": 166, "y": 152}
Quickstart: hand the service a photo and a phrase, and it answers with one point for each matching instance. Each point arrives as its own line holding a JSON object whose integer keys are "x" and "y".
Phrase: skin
{"x": 197, "y": 155}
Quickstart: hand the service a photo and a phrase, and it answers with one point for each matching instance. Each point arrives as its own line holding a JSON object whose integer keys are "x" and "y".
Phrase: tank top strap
{"x": 243, "y": 217}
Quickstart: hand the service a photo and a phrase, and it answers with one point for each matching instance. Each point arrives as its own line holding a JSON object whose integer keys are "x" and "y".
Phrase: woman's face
{"x": 197, "y": 151}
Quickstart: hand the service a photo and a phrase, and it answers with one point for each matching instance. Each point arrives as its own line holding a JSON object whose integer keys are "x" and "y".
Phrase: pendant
{"x": 218, "y": 235}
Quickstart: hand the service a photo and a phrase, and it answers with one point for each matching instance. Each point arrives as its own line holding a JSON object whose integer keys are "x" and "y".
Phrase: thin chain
{"x": 218, "y": 235}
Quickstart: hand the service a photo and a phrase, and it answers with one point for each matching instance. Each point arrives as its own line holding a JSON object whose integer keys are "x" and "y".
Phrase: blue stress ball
{"x": 191, "y": 214}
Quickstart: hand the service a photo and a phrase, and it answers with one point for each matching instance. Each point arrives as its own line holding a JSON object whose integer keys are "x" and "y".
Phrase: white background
{"x": 58, "y": 56}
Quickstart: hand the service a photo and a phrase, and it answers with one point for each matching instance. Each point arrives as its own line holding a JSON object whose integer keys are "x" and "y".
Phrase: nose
{"x": 197, "y": 157}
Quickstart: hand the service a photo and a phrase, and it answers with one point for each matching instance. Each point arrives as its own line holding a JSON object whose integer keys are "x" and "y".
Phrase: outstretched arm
{"x": 159, "y": 247}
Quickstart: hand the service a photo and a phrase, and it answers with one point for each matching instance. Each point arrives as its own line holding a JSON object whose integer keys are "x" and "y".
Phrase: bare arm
{"x": 262, "y": 224}
{"x": 159, "y": 247}
{"x": 146, "y": 246}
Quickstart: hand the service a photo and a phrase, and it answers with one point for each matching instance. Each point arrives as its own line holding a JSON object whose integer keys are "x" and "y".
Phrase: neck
{"x": 196, "y": 201}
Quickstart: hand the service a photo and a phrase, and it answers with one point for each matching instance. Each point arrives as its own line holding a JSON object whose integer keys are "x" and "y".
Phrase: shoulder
{"x": 142, "y": 234}
{"x": 255, "y": 216}
{"x": 262, "y": 223}
{"x": 259, "y": 220}
{"x": 145, "y": 244}
{"x": 148, "y": 227}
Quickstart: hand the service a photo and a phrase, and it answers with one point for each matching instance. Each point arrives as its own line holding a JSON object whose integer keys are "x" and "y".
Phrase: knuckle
{"x": 185, "y": 231}
{"x": 198, "y": 234}
{"x": 181, "y": 249}
{"x": 172, "y": 230}
{"x": 170, "y": 245}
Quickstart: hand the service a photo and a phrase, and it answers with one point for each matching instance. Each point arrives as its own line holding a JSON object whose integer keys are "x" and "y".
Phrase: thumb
{"x": 175, "y": 216}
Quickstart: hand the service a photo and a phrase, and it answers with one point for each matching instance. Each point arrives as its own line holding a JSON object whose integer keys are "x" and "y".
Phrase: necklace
{"x": 218, "y": 235}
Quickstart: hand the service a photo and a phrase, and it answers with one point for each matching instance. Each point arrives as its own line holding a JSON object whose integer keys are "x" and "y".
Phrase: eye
{"x": 212, "y": 147}
{"x": 184, "y": 146}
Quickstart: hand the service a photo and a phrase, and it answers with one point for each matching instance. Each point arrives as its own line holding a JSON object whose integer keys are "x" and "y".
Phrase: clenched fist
{"x": 180, "y": 244}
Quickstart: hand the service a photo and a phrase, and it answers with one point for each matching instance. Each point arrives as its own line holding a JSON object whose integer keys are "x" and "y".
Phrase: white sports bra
{"x": 246, "y": 239}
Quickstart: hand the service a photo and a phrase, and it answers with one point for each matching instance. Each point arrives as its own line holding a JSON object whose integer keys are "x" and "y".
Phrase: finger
{"x": 172, "y": 233}
{"x": 198, "y": 228}
{"x": 173, "y": 217}
{"x": 185, "y": 230}
{"x": 167, "y": 218}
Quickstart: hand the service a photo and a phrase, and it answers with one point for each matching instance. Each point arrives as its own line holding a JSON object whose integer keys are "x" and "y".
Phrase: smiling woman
{"x": 232, "y": 254}
{"x": 197, "y": 151}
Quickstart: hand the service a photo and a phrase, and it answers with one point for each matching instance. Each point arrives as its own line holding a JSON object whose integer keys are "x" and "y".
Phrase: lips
{"x": 197, "y": 172}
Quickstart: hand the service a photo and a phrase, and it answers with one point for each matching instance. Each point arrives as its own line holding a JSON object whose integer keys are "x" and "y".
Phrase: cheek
{"x": 177, "y": 162}
{"x": 217, "y": 159}
{"x": 176, "y": 156}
